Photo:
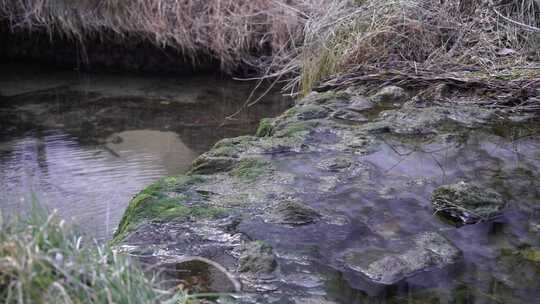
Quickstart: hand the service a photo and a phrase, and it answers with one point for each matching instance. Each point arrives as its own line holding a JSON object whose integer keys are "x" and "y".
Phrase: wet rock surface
{"x": 430, "y": 250}
{"x": 345, "y": 206}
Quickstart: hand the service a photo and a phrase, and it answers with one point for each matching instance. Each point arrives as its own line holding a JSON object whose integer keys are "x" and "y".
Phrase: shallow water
{"x": 84, "y": 144}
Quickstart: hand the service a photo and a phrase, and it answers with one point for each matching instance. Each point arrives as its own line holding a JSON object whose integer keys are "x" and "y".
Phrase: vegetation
{"x": 43, "y": 261}
{"x": 310, "y": 41}
{"x": 265, "y": 128}
{"x": 248, "y": 170}
{"x": 153, "y": 204}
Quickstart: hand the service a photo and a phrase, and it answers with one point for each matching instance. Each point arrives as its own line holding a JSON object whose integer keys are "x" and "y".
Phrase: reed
{"x": 43, "y": 261}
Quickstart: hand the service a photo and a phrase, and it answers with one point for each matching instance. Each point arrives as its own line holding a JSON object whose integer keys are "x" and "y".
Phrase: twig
{"x": 526, "y": 26}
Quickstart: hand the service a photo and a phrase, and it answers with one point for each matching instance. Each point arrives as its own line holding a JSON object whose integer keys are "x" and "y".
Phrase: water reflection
{"x": 85, "y": 144}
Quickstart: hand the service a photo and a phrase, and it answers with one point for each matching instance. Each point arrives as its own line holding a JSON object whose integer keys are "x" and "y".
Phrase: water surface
{"x": 84, "y": 144}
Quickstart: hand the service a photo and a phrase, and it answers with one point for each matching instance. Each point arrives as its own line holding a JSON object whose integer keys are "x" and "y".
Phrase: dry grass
{"x": 230, "y": 30}
{"x": 305, "y": 42}
{"x": 440, "y": 36}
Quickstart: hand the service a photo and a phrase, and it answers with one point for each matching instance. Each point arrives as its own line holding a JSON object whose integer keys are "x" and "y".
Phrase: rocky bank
{"x": 339, "y": 200}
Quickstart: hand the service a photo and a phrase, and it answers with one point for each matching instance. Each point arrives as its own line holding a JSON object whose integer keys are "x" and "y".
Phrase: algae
{"x": 248, "y": 170}
{"x": 295, "y": 129}
{"x": 154, "y": 204}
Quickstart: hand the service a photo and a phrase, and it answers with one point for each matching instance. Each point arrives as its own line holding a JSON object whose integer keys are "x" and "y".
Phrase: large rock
{"x": 431, "y": 250}
{"x": 466, "y": 203}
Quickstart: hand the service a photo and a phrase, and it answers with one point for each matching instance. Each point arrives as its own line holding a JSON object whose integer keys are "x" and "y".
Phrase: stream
{"x": 85, "y": 144}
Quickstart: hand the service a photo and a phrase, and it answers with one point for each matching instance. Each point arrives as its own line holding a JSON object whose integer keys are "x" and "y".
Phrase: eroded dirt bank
{"x": 108, "y": 51}
{"x": 357, "y": 197}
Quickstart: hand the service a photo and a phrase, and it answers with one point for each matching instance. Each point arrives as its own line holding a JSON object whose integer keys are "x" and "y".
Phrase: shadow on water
{"x": 86, "y": 143}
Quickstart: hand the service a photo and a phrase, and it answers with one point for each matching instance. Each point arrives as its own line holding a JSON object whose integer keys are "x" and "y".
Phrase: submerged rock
{"x": 390, "y": 94}
{"x": 467, "y": 203}
{"x": 293, "y": 213}
{"x": 257, "y": 258}
{"x": 431, "y": 250}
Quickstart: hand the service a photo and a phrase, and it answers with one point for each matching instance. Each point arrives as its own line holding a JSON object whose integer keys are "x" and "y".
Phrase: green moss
{"x": 208, "y": 164}
{"x": 296, "y": 129}
{"x": 250, "y": 169}
{"x": 172, "y": 183}
{"x": 229, "y": 147}
{"x": 153, "y": 204}
{"x": 291, "y": 112}
{"x": 265, "y": 128}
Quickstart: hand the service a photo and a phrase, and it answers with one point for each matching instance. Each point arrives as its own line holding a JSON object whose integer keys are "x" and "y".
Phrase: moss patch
{"x": 231, "y": 147}
{"x": 153, "y": 204}
{"x": 296, "y": 129}
{"x": 265, "y": 128}
{"x": 208, "y": 164}
{"x": 249, "y": 170}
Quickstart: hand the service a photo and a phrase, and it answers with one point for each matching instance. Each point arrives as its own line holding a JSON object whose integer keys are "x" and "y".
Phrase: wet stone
{"x": 466, "y": 203}
{"x": 257, "y": 258}
{"x": 431, "y": 251}
{"x": 360, "y": 104}
{"x": 312, "y": 112}
{"x": 350, "y": 116}
{"x": 293, "y": 214}
{"x": 390, "y": 94}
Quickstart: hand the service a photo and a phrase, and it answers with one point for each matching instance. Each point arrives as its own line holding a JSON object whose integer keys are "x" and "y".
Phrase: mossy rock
{"x": 231, "y": 147}
{"x": 309, "y": 112}
{"x": 257, "y": 257}
{"x": 250, "y": 169}
{"x": 154, "y": 204}
{"x": 467, "y": 204}
{"x": 295, "y": 129}
{"x": 207, "y": 164}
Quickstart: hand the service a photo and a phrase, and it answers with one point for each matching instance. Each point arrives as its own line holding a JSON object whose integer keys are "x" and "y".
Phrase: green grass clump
{"x": 42, "y": 261}
{"x": 265, "y": 128}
